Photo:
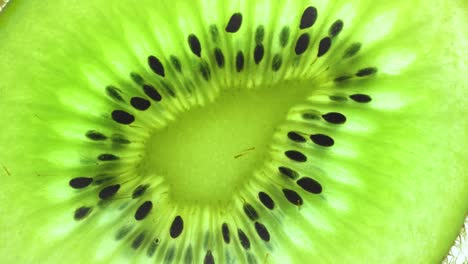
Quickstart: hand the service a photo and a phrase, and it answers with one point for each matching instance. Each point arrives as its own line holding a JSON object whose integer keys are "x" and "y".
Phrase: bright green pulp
{"x": 395, "y": 184}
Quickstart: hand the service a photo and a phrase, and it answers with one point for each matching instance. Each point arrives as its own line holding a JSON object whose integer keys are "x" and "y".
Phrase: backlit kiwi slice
{"x": 232, "y": 131}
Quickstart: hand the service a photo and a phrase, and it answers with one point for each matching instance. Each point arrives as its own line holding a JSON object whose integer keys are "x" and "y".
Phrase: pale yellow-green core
{"x": 210, "y": 152}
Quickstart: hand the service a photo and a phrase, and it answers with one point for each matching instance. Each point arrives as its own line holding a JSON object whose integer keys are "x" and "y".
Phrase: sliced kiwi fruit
{"x": 232, "y": 131}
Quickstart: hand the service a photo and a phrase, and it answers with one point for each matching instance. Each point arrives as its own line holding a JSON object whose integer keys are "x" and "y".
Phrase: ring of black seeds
{"x": 300, "y": 184}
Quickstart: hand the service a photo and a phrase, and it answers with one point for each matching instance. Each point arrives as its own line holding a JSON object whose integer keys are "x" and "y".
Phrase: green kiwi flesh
{"x": 232, "y": 131}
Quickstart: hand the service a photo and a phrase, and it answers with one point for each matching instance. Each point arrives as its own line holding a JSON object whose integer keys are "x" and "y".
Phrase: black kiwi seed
{"x": 82, "y": 212}
{"x": 234, "y": 23}
{"x": 244, "y": 240}
{"x": 177, "y": 227}
{"x": 352, "y": 50}
{"x": 194, "y": 45}
{"x": 152, "y": 247}
{"x": 361, "y": 98}
{"x": 205, "y": 70}
{"x": 122, "y": 117}
{"x": 295, "y": 155}
{"x": 138, "y": 240}
{"x": 276, "y": 62}
{"x": 310, "y": 185}
{"x": 290, "y": 173}
{"x": 302, "y": 43}
{"x": 109, "y": 191}
{"x": 324, "y": 46}
{"x": 176, "y": 63}
{"x": 80, "y": 182}
{"x": 262, "y": 231}
{"x": 266, "y": 200}
{"x": 239, "y": 61}
{"x": 342, "y": 78}
{"x": 294, "y": 136}
{"x": 259, "y": 34}
{"x": 219, "y": 56}
{"x": 114, "y": 93}
{"x": 322, "y": 140}
{"x": 208, "y": 258}
{"x": 140, "y": 103}
{"x": 335, "y": 28}
{"x": 293, "y": 197}
{"x": 143, "y": 210}
{"x": 107, "y": 157}
{"x": 156, "y": 65}
{"x": 366, "y": 72}
{"x": 334, "y": 118}
{"x": 258, "y": 53}
{"x": 250, "y": 212}
{"x": 152, "y": 93}
{"x": 309, "y": 16}
{"x": 139, "y": 191}
{"x": 284, "y": 36}
{"x": 225, "y": 232}
{"x": 95, "y": 135}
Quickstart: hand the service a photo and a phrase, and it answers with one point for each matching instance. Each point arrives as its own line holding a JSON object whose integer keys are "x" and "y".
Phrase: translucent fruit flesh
{"x": 362, "y": 146}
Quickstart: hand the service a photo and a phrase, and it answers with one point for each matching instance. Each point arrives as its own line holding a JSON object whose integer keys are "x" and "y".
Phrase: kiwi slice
{"x": 232, "y": 131}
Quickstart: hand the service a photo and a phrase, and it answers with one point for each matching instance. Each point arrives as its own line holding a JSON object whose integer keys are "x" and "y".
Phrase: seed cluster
{"x": 254, "y": 212}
